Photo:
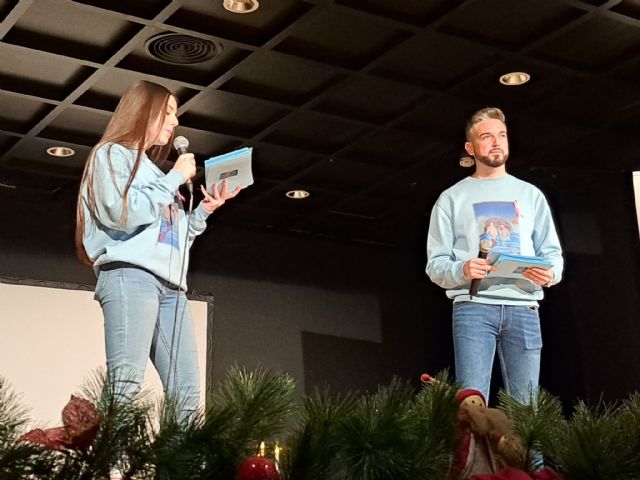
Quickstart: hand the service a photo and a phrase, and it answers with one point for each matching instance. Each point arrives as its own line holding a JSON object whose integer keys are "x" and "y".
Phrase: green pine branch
{"x": 375, "y": 440}
{"x": 394, "y": 433}
{"x": 312, "y": 450}
{"x": 18, "y": 460}
{"x": 260, "y": 400}
{"x": 629, "y": 420}
{"x": 126, "y": 432}
{"x": 595, "y": 447}
{"x": 540, "y": 424}
{"x": 435, "y": 421}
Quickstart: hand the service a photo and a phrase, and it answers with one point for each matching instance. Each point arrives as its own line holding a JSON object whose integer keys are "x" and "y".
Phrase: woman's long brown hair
{"x": 142, "y": 107}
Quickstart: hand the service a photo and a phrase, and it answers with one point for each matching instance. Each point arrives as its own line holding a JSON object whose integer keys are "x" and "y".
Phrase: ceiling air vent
{"x": 182, "y": 49}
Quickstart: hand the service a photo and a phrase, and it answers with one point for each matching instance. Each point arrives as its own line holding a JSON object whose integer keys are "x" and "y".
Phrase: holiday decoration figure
{"x": 486, "y": 442}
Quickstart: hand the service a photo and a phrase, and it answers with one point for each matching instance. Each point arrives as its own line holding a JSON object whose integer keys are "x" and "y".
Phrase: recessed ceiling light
{"x": 61, "y": 151}
{"x": 466, "y": 162}
{"x": 515, "y": 78}
{"x": 297, "y": 194}
{"x": 240, "y": 6}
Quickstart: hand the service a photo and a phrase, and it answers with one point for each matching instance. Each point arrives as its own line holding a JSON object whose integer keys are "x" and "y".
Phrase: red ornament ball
{"x": 257, "y": 468}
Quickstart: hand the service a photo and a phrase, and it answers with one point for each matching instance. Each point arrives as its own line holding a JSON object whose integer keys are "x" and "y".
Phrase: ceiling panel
{"x": 84, "y": 126}
{"x": 361, "y": 102}
{"x": 369, "y": 99}
{"x": 232, "y": 114}
{"x": 629, "y": 8}
{"x": 413, "y": 12}
{"x": 280, "y": 78}
{"x": 140, "y": 8}
{"x": 314, "y": 132}
{"x": 105, "y": 91}
{"x": 67, "y": 29}
{"x": 595, "y": 44}
{"x": 506, "y": 25}
{"x": 211, "y": 18}
{"x": 36, "y": 152}
{"x": 38, "y": 74}
{"x": 391, "y": 148}
{"x": 433, "y": 60}
{"x": 342, "y": 174}
{"x": 20, "y": 114}
{"x": 342, "y": 37}
{"x": 279, "y": 163}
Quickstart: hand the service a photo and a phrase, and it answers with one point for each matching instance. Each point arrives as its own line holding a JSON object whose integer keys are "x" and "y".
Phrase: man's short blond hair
{"x": 489, "y": 113}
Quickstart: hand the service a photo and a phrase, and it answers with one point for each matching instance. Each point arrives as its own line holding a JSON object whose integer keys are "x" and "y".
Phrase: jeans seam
{"x": 125, "y": 323}
{"x": 161, "y": 336}
{"x": 166, "y": 342}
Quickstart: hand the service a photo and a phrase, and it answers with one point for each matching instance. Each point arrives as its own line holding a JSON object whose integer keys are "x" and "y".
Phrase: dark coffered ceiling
{"x": 360, "y": 102}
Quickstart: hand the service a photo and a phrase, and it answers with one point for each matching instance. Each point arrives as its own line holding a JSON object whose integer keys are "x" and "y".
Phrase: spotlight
{"x": 297, "y": 194}
{"x": 515, "y": 78}
{"x": 466, "y": 162}
{"x": 61, "y": 151}
{"x": 240, "y": 6}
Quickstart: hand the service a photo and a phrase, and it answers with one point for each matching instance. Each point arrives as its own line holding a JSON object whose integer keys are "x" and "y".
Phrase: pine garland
{"x": 435, "y": 420}
{"x": 313, "y": 448}
{"x": 596, "y": 445}
{"x": 375, "y": 439}
{"x": 539, "y": 424}
{"x": 394, "y": 433}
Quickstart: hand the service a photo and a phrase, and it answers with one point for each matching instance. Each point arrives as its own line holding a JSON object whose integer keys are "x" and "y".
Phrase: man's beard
{"x": 492, "y": 160}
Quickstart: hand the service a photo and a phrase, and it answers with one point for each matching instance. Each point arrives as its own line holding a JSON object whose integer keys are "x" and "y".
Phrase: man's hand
{"x": 539, "y": 276}
{"x": 477, "y": 268}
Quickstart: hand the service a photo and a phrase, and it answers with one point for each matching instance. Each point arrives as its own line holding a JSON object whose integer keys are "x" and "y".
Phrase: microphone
{"x": 485, "y": 246}
{"x": 181, "y": 144}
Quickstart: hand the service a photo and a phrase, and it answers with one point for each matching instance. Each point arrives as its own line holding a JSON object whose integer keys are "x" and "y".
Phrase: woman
{"x": 131, "y": 228}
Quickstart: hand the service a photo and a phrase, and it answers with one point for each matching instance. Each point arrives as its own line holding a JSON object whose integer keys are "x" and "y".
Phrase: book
{"x": 234, "y": 167}
{"x": 512, "y": 266}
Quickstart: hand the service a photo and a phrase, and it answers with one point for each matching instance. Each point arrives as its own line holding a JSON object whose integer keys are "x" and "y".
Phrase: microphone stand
{"x": 171, "y": 374}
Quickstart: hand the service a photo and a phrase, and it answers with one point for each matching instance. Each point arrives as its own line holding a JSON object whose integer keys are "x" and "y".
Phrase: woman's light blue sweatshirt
{"x": 153, "y": 234}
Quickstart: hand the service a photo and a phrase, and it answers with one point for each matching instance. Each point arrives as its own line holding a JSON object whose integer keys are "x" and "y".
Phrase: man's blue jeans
{"x": 514, "y": 331}
{"x": 139, "y": 317}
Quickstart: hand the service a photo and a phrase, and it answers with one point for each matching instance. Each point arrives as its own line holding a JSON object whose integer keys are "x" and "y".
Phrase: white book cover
{"x": 234, "y": 167}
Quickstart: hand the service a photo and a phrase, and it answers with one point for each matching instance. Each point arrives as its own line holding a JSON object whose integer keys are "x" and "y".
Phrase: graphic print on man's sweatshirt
{"x": 499, "y": 222}
{"x": 169, "y": 226}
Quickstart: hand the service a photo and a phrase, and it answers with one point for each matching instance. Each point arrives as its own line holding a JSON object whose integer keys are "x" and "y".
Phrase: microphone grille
{"x": 180, "y": 143}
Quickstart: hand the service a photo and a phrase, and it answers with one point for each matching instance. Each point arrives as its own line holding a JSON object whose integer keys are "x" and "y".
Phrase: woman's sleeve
{"x": 145, "y": 202}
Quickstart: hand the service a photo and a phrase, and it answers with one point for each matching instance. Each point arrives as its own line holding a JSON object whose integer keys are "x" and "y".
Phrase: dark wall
{"x": 362, "y": 314}
{"x": 590, "y": 320}
{"x": 327, "y": 312}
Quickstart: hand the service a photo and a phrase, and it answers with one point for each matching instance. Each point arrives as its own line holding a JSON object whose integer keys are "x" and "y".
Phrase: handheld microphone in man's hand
{"x": 181, "y": 144}
{"x": 485, "y": 246}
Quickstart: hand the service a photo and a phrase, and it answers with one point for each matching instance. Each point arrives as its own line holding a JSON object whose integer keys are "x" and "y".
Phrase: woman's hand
{"x": 217, "y": 198}
{"x": 186, "y": 165}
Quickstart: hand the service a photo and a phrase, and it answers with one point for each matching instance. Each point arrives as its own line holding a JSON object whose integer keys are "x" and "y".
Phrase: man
{"x": 504, "y": 314}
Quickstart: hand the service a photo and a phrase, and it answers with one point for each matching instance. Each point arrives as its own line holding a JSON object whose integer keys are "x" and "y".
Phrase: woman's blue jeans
{"x": 139, "y": 316}
{"x": 479, "y": 330}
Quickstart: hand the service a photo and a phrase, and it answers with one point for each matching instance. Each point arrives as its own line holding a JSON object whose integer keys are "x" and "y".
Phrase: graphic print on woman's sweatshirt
{"x": 169, "y": 226}
{"x": 499, "y": 223}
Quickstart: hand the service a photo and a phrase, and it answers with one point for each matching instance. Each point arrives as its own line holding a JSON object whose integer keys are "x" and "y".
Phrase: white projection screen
{"x": 52, "y": 341}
